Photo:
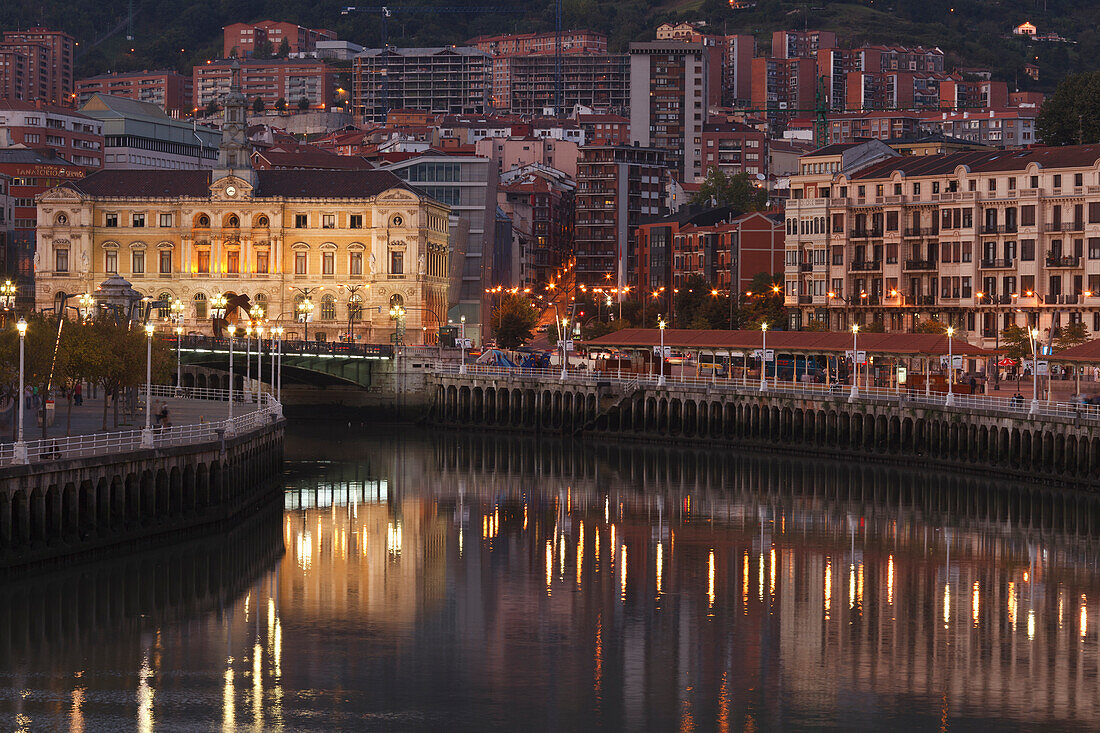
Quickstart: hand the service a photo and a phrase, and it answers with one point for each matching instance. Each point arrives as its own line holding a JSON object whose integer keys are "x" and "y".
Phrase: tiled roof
{"x": 802, "y": 342}
{"x": 331, "y": 184}
{"x": 985, "y": 162}
{"x": 144, "y": 183}
{"x": 1086, "y": 353}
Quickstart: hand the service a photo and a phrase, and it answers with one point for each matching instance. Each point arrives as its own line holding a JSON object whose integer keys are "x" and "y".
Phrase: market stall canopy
{"x": 1086, "y": 353}
{"x": 901, "y": 345}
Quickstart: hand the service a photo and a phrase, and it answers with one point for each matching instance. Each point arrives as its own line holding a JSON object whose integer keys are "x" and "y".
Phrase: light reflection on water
{"x": 466, "y": 582}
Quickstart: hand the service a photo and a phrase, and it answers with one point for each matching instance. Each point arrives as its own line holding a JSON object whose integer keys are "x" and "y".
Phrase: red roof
{"x": 804, "y": 342}
{"x": 1086, "y": 353}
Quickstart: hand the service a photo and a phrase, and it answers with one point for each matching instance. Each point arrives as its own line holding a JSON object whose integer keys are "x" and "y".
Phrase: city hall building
{"x": 354, "y": 243}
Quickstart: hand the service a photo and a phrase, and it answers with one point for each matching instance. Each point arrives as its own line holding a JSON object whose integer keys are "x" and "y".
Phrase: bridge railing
{"x": 290, "y": 348}
{"x": 122, "y": 441}
{"x": 741, "y": 385}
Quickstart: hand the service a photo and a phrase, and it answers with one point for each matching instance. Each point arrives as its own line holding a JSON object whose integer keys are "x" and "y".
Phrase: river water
{"x": 409, "y": 581}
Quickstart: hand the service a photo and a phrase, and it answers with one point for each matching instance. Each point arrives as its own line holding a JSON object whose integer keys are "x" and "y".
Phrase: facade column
{"x": 246, "y": 256}
{"x": 216, "y": 256}
{"x": 185, "y": 255}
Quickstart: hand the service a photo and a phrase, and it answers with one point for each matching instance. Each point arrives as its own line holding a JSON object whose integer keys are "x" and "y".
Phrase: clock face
{"x": 230, "y": 191}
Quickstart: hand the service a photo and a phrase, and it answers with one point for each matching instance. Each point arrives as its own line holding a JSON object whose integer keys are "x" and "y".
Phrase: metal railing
{"x": 123, "y": 441}
{"x": 290, "y": 348}
{"x": 835, "y": 391}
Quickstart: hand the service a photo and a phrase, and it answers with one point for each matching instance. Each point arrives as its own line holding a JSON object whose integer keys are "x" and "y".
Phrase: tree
{"x": 303, "y": 104}
{"x": 284, "y": 48}
{"x": 1071, "y": 116}
{"x": 258, "y": 105}
{"x": 738, "y": 191}
{"x": 1070, "y": 335}
{"x": 763, "y": 302}
{"x": 262, "y": 49}
{"x": 211, "y": 107}
{"x": 930, "y": 326}
{"x": 81, "y": 351}
{"x": 1017, "y": 345}
{"x": 280, "y": 104}
{"x": 514, "y": 319}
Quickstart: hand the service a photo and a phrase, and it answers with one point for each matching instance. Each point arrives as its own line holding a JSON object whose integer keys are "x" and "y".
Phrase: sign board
{"x": 465, "y": 343}
{"x": 958, "y": 361}
{"x": 657, "y": 351}
{"x": 569, "y": 345}
{"x": 861, "y": 356}
{"x": 768, "y": 355}
{"x": 1042, "y": 369}
{"x": 903, "y": 375}
{"x": 1045, "y": 350}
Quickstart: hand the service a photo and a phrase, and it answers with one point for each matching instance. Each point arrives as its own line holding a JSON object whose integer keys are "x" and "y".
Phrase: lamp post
{"x": 147, "y": 434}
{"x": 179, "y": 360}
{"x": 8, "y": 292}
{"x": 259, "y": 362}
{"x": 950, "y": 367}
{"x": 247, "y": 391}
{"x": 277, "y": 378}
{"x": 564, "y": 352}
{"x": 855, "y": 364}
{"x": 462, "y": 342}
{"x": 305, "y": 314}
{"x": 218, "y": 306}
{"x": 764, "y": 357}
{"x": 397, "y": 313}
{"x": 229, "y": 332}
{"x": 85, "y": 306}
{"x": 661, "y": 327}
{"x": 19, "y": 451}
{"x": 1034, "y": 333}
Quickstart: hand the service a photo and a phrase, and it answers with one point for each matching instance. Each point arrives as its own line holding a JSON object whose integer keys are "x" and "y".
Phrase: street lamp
{"x": 85, "y": 306}
{"x": 259, "y": 362}
{"x": 19, "y": 451}
{"x": 661, "y": 327}
{"x": 1034, "y": 334}
{"x": 247, "y": 391}
{"x": 230, "y": 331}
{"x": 950, "y": 368}
{"x": 147, "y": 434}
{"x": 179, "y": 360}
{"x": 8, "y": 292}
{"x": 563, "y": 339}
{"x": 855, "y": 363}
{"x": 764, "y": 357}
{"x": 277, "y": 376}
{"x": 218, "y": 306}
{"x": 462, "y": 342}
{"x": 397, "y": 313}
{"x": 305, "y": 314}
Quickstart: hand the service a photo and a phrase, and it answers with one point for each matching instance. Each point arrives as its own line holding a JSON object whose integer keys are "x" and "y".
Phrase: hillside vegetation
{"x": 180, "y": 33}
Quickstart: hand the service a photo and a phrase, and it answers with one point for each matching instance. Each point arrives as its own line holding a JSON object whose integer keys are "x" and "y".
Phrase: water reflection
{"x": 462, "y": 582}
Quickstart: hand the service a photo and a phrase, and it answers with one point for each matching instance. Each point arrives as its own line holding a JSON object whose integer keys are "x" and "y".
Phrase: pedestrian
{"x": 78, "y": 394}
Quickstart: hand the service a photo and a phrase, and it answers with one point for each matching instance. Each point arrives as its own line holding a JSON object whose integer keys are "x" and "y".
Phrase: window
{"x": 355, "y": 263}
{"x": 1078, "y": 179}
{"x": 200, "y": 306}
{"x": 261, "y": 261}
{"x": 299, "y": 263}
{"x": 1027, "y": 215}
{"x": 328, "y": 221}
{"x": 301, "y": 221}
{"x": 328, "y": 308}
{"x": 202, "y": 261}
{"x": 328, "y": 263}
{"x": 1094, "y": 248}
{"x": 355, "y": 221}
{"x": 110, "y": 220}
{"x": 166, "y": 220}
{"x": 1027, "y": 250}
{"x": 139, "y": 221}
{"x": 61, "y": 260}
{"x": 233, "y": 261}
{"x": 397, "y": 263}
{"x": 165, "y": 261}
{"x": 164, "y": 310}
{"x": 204, "y": 220}
{"x": 110, "y": 262}
{"x": 1057, "y": 180}
{"x": 261, "y": 222}
{"x": 233, "y": 222}
{"x": 137, "y": 260}
{"x": 1034, "y": 182}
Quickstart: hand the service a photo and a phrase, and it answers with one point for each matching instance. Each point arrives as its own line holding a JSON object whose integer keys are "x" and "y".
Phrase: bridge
{"x": 1051, "y": 441}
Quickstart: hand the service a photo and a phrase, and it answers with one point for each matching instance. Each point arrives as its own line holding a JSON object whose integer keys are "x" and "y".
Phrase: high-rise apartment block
{"x": 75, "y": 137}
{"x": 168, "y": 90}
{"x": 527, "y": 85}
{"x": 268, "y": 79}
{"x": 37, "y": 64}
{"x": 785, "y": 87}
{"x": 240, "y": 39}
{"x": 617, "y": 186}
{"x": 801, "y": 44}
{"x": 980, "y": 240}
{"x": 670, "y": 91}
{"x": 445, "y": 80}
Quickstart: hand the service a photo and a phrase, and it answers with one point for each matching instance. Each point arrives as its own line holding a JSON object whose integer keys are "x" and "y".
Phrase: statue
{"x": 37, "y": 260}
{"x": 373, "y": 263}
{"x": 83, "y": 261}
{"x": 421, "y": 266}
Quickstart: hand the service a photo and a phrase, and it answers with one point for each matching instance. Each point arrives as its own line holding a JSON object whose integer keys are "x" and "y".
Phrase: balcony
{"x": 996, "y": 263}
{"x": 1073, "y": 226}
{"x": 925, "y": 300}
{"x": 912, "y": 265}
{"x": 989, "y": 333}
{"x": 865, "y": 233}
{"x": 805, "y": 299}
{"x": 806, "y": 266}
{"x": 865, "y": 266}
{"x": 1068, "y": 261}
{"x": 998, "y": 229}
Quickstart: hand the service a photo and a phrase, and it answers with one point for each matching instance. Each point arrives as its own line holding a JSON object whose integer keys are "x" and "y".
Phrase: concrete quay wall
{"x": 51, "y": 510}
{"x": 1054, "y": 449}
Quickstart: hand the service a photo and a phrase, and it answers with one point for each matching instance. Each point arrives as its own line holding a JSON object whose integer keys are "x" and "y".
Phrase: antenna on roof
{"x": 130, "y": 21}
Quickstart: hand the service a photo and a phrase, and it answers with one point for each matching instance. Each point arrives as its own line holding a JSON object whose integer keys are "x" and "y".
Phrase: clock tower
{"x": 234, "y": 152}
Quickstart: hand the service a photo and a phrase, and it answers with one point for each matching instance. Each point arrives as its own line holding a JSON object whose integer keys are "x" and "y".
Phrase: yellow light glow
{"x": 660, "y": 568}
{"x": 710, "y": 579}
{"x": 828, "y": 587}
{"x": 890, "y": 579}
{"x": 549, "y": 565}
{"x": 975, "y": 604}
{"x": 622, "y": 570}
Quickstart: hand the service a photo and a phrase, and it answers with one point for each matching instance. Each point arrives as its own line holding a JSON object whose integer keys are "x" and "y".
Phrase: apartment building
{"x": 140, "y": 135}
{"x": 601, "y": 129}
{"x": 733, "y": 54}
{"x": 268, "y": 79}
{"x": 785, "y": 87}
{"x": 518, "y": 152}
{"x": 1005, "y": 128}
{"x": 801, "y": 44}
{"x": 539, "y": 203}
{"x": 22, "y": 72}
{"x": 884, "y": 125}
{"x": 527, "y": 84}
{"x": 981, "y": 240}
{"x": 671, "y": 84}
{"x": 617, "y": 186}
{"x": 572, "y": 41}
{"x": 168, "y": 90}
{"x": 75, "y": 137}
{"x": 442, "y": 80}
{"x": 969, "y": 94}
{"x": 240, "y": 39}
{"x": 734, "y": 148}
{"x": 49, "y": 58}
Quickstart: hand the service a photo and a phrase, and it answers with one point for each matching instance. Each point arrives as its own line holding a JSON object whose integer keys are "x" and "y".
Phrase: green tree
{"x": 82, "y": 354}
{"x": 211, "y": 107}
{"x": 1017, "y": 345}
{"x": 303, "y": 104}
{"x": 262, "y": 49}
{"x": 1071, "y": 115}
{"x": 1070, "y": 335}
{"x": 280, "y": 104}
{"x": 930, "y": 326}
{"x": 738, "y": 191}
{"x": 875, "y": 326}
{"x": 762, "y": 302}
{"x": 514, "y": 320}
{"x": 258, "y": 105}
{"x": 284, "y": 48}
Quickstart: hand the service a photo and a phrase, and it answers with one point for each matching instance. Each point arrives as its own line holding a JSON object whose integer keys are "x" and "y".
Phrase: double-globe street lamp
{"x": 147, "y": 433}
{"x": 19, "y": 451}
{"x": 950, "y": 400}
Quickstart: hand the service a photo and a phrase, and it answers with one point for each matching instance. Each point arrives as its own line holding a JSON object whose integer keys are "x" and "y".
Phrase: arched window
{"x": 328, "y": 308}
{"x": 58, "y": 302}
{"x": 396, "y": 300}
{"x": 62, "y": 219}
{"x": 261, "y": 221}
{"x": 233, "y": 221}
{"x": 203, "y": 220}
{"x": 164, "y": 310}
{"x": 200, "y": 306}
{"x": 355, "y": 307}
{"x": 261, "y": 300}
